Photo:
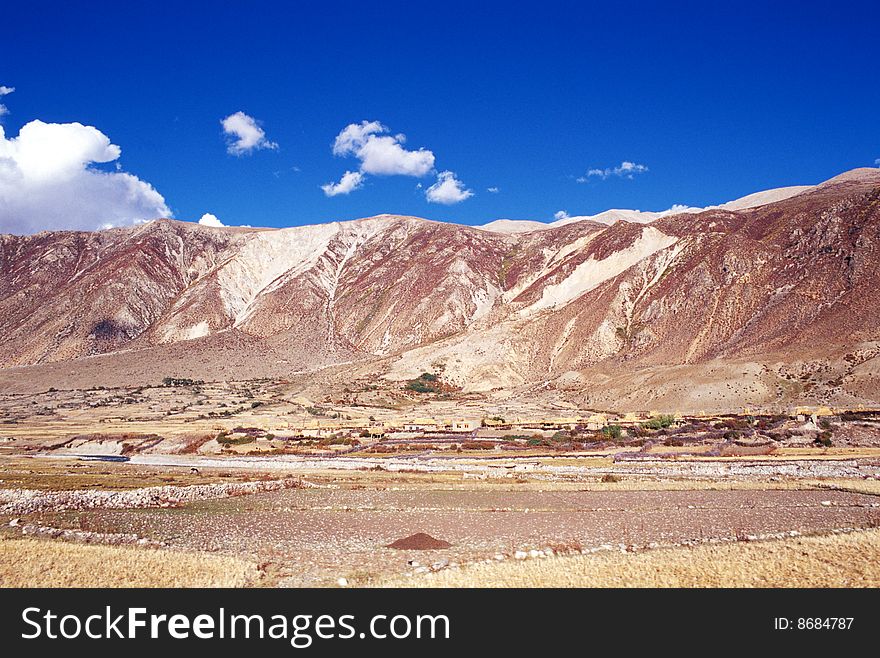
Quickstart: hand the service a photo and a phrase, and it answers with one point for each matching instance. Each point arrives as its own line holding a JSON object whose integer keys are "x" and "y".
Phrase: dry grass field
{"x": 47, "y": 563}
{"x": 842, "y": 560}
{"x": 71, "y": 474}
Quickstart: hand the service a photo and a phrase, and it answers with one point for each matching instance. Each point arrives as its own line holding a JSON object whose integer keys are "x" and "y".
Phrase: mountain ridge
{"x": 785, "y": 282}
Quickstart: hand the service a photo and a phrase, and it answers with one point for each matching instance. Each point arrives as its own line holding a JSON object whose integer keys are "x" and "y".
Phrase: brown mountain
{"x": 730, "y": 306}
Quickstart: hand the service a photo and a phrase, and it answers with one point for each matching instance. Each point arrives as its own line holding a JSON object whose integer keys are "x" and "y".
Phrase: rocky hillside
{"x": 579, "y": 305}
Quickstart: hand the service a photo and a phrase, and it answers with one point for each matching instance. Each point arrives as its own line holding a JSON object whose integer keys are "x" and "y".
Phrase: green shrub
{"x": 823, "y": 439}
{"x": 659, "y": 422}
{"x": 419, "y": 386}
{"x": 180, "y": 381}
{"x": 226, "y": 440}
{"x": 613, "y": 431}
{"x": 425, "y": 383}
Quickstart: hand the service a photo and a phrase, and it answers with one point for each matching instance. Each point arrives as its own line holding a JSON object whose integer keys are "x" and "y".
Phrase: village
{"x": 332, "y": 436}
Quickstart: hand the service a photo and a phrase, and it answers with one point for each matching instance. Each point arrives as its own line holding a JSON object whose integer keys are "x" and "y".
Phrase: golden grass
{"x": 47, "y": 563}
{"x": 871, "y": 487}
{"x": 846, "y": 560}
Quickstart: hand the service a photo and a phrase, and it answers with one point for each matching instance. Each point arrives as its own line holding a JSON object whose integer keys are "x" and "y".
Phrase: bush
{"x": 613, "y": 431}
{"x": 225, "y": 440}
{"x": 611, "y": 477}
{"x": 427, "y": 383}
{"x": 823, "y": 439}
{"x": 419, "y": 386}
{"x": 180, "y": 381}
{"x": 659, "y": 422}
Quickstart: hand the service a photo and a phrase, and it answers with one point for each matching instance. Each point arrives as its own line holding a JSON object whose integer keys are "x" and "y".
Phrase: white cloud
{"x": 447, "y": 190}
{"x": 493, "y": 190}
{"x": 245, "y": 134}
{"x": 877, "y": 162}
{"x": 47, "y": 181}
{"x": 4, "y": 90}
{"x": 379, "y": 153}
{"x": 560, "y": 215}
{"x": 209, "y": 219}
{"x": 350, "y": 181}
{"x": 678, "y": 208}
{"x": 625, "y": 169}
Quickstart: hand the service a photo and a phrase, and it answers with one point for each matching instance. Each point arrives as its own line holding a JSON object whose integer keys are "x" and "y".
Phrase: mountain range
{"x": 766, "y": 301}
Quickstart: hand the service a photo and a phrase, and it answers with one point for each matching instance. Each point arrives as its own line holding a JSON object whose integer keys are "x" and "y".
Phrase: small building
{"x": 465, "y": 425}
{"x": 596, "y": 422}
{"x": 630, "y": 418}
{"x": 421, "y": 425}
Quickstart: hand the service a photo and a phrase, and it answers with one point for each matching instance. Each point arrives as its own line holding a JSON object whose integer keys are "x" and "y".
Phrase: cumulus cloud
{"x": 560, "y": 215}
{"x": 381, "y": 154}
{"x": 209, "y": 219}
{"x": 493, "y": 190}
{"x": 350, "y": 181}
{"x": 244, "y": 134}
{"x": 4, "y": 91}
{"x": 678, "y": 208}
{"x": 384, "y": 154}
{"x": 447, "y": 190}
{"x": 625, "y": 169}
{"x": 48, "y": 181}
{"x": 877, "y": 162}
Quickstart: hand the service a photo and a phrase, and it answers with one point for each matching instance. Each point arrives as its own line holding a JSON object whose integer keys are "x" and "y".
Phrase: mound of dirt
{"x": 419, "y": 542}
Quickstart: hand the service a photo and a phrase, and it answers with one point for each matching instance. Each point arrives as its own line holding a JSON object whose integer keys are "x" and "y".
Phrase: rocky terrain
{"x": 732, "y": 306}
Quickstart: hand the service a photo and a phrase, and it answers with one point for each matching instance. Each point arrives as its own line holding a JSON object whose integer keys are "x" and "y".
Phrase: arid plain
{"x": 256, "y": 484}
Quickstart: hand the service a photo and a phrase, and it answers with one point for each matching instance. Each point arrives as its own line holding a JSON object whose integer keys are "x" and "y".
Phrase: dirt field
{"x": 316, "y": 536}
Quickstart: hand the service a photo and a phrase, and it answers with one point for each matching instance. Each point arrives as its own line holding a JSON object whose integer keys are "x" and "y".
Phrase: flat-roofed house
{"x": 596, "y": 422}
{"x": 421, "y": 425}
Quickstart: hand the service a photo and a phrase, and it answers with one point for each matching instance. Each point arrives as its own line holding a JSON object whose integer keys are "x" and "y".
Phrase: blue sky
{"x": 715, "y": 101}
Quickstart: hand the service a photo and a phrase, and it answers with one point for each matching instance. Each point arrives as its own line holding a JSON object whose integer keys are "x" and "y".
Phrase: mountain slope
{"x": 782, "y": 287}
